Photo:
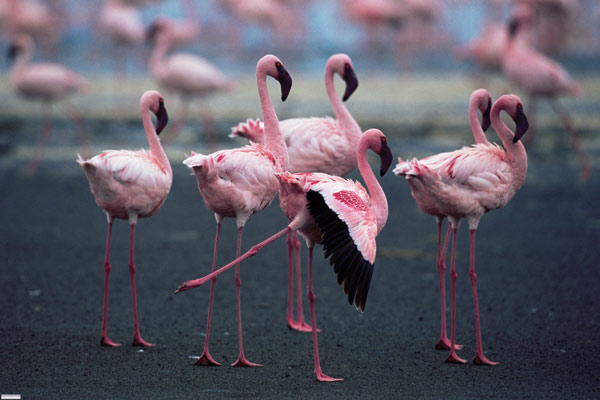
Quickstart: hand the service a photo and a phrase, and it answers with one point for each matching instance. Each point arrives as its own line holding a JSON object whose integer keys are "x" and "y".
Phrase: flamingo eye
{"x": 161, "y": 101}
{"x": 347, "y": 66}
{"x": 519, "y": 107}
{"x": 383, "y": 140}
{"x": 278, "y": 64}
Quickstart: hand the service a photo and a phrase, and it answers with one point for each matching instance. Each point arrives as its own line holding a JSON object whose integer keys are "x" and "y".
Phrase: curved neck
{"x": 20, "y": 64}
{"x": 155, "y": 147}
{"x": 379, "y": 204}
{"x": 517, "y": 155}
{"x": 157, "y": 57}
{"x": 272, "y": 137}
{"x": 342, "y": 114}
{"x": 478, "y": 133}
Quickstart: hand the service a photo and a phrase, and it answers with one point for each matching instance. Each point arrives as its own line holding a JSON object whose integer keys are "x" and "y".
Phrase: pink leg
{"x": 137, "y": 338}
{"x": 42, "y": 141}
{"x": 480, "y": 358}
{"x": 453, "y": 357}
{"x": 444, "y": 342}
{"x": 290, "y": 303}
{"x": 241, "y": 361}
{"x": 82, "y": 137}
{"x": 104, "y": 340}
{"x": 206, "y": 358}
{"x": 294, "y": 249}
{"x": 313, "y": 319}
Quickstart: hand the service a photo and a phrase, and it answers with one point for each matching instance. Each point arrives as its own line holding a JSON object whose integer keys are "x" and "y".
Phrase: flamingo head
{"x": 153, "y": 101}
{"x": 485, "y": 116}
{"x": 284, "y": 79}
{"x": 161, "y": 116}
{"x": 272, "y": 66}
{"x": 520, "y": 16}
{"x": 18, "y": 45}
{"x": 376, "y": 141}
{"x": 386, "y": 156}
{"x": 350, "y": 79}
{"x": 157, "y": 27}
{"x": 521, "y": 123}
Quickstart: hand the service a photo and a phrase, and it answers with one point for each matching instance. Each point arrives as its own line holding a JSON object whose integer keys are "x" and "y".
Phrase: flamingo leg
{"x": 444, "y": 342}
{"x": 137, "y": 338}
{"x": 290, "y": 303}
{"x": 105, "y": 341}
{"x": 241, "y": 361}
{"x": 480, "y": 358}
{"x": 43, "y": 139}
{"x": 206, "y": 358}
{"x": 586, "y": 169}
{"x": 313, "y": 319}
{"x": 453, "y": 357}
{"x": 82, "y": 136}
{"x": 294, "y": 253}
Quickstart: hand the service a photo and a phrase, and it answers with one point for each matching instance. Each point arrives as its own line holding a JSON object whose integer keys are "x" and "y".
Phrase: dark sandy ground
{"x": 537, "y": 265}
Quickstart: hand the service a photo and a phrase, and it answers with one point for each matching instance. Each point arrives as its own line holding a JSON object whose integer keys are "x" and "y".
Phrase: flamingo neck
{"x": 517, "y": 156}
{"x": 478, "y": 133}
{"x": 378, "y": 202}
{"x": 157, "y": 58}
{"x": 345, "y": 119}
{"x": 272, "y": 137}
{"x": 155, "y": 147}
{"x": 18, "y": 69}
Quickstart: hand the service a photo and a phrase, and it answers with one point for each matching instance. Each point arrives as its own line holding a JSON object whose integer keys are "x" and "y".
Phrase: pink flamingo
{"x": 48, "y": 82}
{"x": 238, "y": 183}
{"x": 341, "y": 215}
{"x": 482, "y": 101}
{"x": 130, "y": 185}
{"x": 541, "y": 77}
{"x": 469, "y": 182}
{"x": 324, "y": 145}
{"x": 186, "y": 74}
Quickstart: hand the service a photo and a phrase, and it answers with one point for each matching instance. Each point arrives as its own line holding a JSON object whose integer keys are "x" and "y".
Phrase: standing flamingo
{"x": 482, "y": 101}
{"x": 341, "y": 215}
{"x": 240, "y": 182}
{"x": 540, "y": 77}
{"x": 130, "y": 185}
{"x": 318, "y": 144}
{"x": 469, "y": 182}
{"x": 48, "y": 82}
{"x": 188, "y": 75}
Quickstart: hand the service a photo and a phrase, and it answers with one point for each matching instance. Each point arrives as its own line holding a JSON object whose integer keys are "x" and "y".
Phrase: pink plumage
{"x": 471, "y": 181}
{"x": 130, "y": 185}
{"x": 240, "y": 182}
{"x": 482, "y": 101}
{"x": 341, "y": 215}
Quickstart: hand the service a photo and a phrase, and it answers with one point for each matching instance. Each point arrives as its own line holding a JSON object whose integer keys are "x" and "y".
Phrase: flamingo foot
{"x": 480, "y": 359}
{"x": 453, "y": 358}
{"x": 206, "y": 359}
{"x": 300, "y": 326}
{"x": 139, "y": 342}
{"x": 321, "y": 377}
{"x": 444, "y": 344}
{"x": 243, "y": 362}
{"x": 105, "y": 341}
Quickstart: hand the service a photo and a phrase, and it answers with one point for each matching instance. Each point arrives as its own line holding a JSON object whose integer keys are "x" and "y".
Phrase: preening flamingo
{"x": 469, "y": 182}
{"x": 238, "y": 183}
{"x": 540, "y": 77}
{"x": 47, "y": 82}
{"x": 482, "y": 101}
{"x": 318, "y": 144}
{"x": 130, "y": 185}
{"x": 341, "y": 215}
{"x": 185, "y": 74}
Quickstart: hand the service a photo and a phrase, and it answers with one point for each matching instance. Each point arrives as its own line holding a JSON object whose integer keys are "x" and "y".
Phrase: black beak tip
{"x": 386, "y": 159}
{"x": 162, "y": 117}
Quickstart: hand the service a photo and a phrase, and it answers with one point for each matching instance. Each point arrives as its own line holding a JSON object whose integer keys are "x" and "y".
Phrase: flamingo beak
{"x": 161, "y": 118}
{"x": 285, "y": 80}
{"x": 12, "y": 51}
{"x": 351, "y": 82}
{"x": 386, "y": 158}
{"x": 151, "y": 32}
{"x": 485, "y": 119}
{"x": 521, "y": 125}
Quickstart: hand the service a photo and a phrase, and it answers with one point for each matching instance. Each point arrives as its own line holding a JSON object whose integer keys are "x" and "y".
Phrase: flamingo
{"x": 482, "y": 101}
{"x": 130, "y": 185}
{"x": 338, "y": 213}
{"x": 185, "y": 74}
{"x": 469, "y": 182}
{"x": 238, "y": 183}
{"x": 47, "y": 82}
{"x": 541, "y": 77}
{"x": 324, "y": 145}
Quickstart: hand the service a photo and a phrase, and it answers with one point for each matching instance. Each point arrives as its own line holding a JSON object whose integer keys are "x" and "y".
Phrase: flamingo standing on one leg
{"x": 186, "y": 74}
{"x": 48, "y": 82}
{"x": 469, "y": 182}
{"x": 315, "y": 144}
{"x": 131, "y": 185}
{"x": 541, "y": 77}
{"x": 340, "y": 214}
{"x": 240, "y": 182}
{"x": 482, "y": 101}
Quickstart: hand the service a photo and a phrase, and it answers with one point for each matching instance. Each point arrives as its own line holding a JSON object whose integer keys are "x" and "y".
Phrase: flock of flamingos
{"x": 303, "y": 161}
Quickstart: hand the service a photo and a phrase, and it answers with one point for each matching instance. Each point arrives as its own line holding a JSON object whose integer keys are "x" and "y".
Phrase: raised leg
{"x": 313, "y": 319}
{"x": 241, "y": 361}
{"x": 137, "y": 338}
{"x": 206, "y": 358}
{"x": 104, "y": 340}
{"x": 586, "y": 169}
{"x": 453, "y": 357}
{"x": 480, "y": 358}
{"x": 444, "y": 342}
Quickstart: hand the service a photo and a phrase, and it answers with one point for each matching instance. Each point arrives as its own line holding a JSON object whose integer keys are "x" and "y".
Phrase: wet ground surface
{"x": 537, "y": 263}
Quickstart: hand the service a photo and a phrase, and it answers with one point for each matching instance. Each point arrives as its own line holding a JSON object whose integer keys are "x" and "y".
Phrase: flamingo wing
{"x": 349, "y": 229}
